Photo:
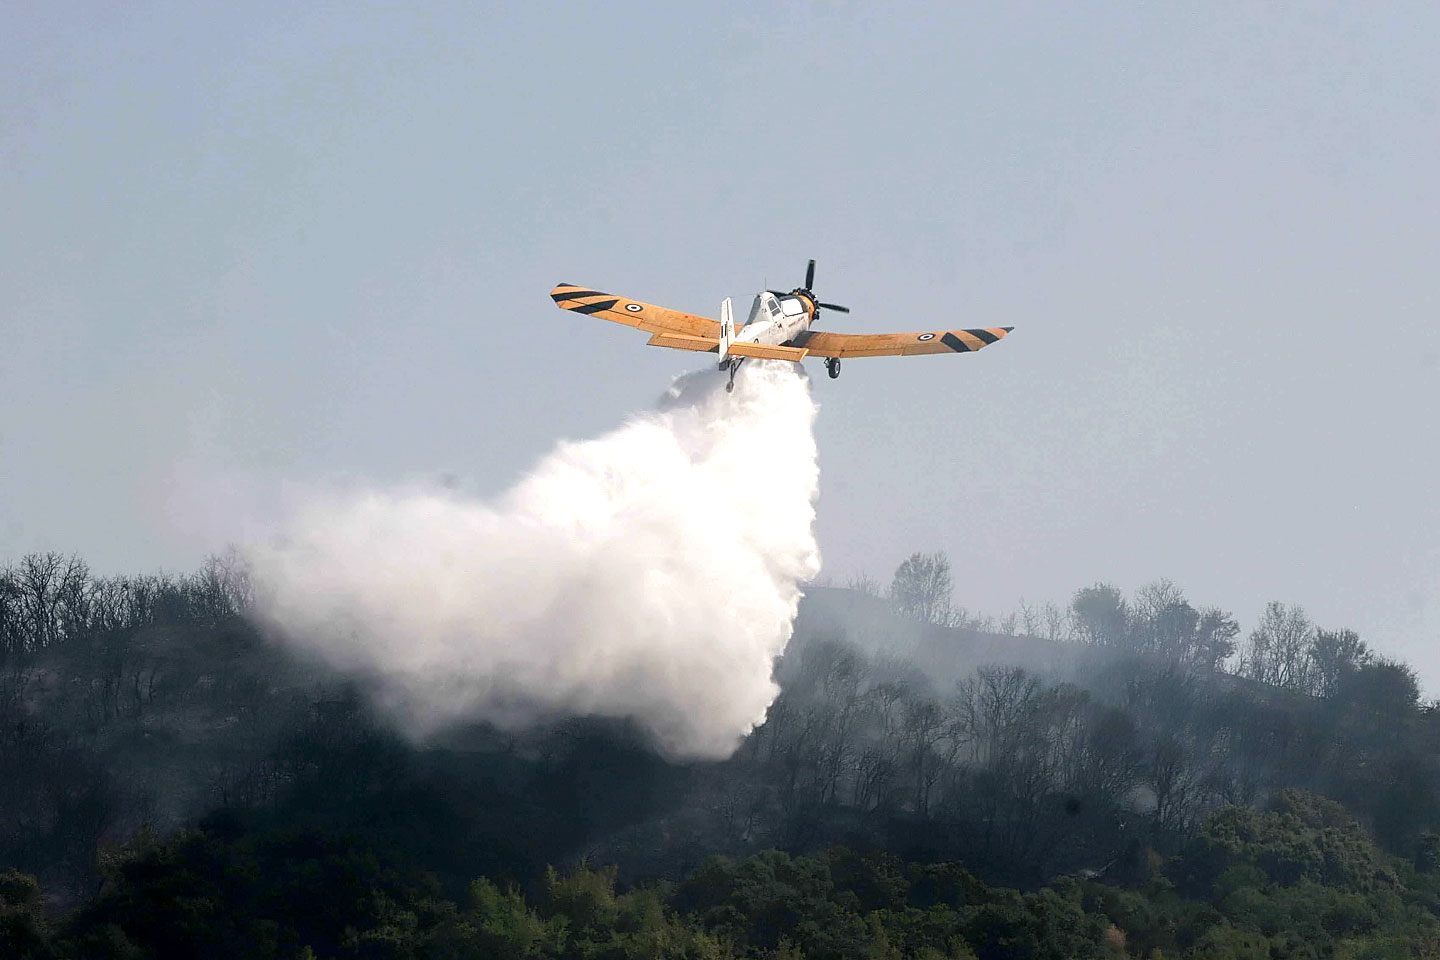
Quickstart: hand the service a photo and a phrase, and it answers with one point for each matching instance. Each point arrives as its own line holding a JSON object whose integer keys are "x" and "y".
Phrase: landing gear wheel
{"x": 734, "y": 369}
{"x": 730, "y": 387}
{"x": 832, "y": 367}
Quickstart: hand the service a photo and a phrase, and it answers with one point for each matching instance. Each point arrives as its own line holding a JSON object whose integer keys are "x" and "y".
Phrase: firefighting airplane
{"x": 778, "y": 329}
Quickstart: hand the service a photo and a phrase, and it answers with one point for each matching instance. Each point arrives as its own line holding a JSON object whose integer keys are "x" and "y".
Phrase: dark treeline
{"x": 1113, "y": 741}
{"x": 1085, "y": 755}
{"x": 133, "y": 703}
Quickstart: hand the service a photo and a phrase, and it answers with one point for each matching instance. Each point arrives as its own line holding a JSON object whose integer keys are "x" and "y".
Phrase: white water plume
{"x": 652, "y": 573}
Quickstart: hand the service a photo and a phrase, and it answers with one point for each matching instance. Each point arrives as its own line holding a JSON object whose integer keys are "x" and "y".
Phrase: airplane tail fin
{"x": 727, "y": 328}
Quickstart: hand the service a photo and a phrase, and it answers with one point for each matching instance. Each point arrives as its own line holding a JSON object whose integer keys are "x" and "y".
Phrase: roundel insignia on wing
{"x": 634, "y": 307}
{"x": 926, "y": 336}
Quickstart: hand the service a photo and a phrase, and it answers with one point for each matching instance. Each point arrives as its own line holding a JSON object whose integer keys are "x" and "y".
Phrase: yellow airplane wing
{"x": 633, "y": 313}
{"x": 825, "y": 344}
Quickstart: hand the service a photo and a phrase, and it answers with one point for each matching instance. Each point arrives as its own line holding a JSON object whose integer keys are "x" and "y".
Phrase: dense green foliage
{"x": 1299, "y": 880}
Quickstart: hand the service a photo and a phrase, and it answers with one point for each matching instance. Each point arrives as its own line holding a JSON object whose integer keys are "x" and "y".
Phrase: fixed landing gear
{"x": 734, "y": 364}
{"x": 832, "y": 367}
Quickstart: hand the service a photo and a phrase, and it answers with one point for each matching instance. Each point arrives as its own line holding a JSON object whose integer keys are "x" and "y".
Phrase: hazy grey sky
{"x": 267, "y": 243}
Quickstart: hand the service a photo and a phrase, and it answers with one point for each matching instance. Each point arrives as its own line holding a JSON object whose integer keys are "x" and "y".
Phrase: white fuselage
{"x": 776, "y": 320}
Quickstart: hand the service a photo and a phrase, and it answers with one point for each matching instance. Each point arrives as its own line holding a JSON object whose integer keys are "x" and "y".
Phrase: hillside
{"x": 136, "y": 712}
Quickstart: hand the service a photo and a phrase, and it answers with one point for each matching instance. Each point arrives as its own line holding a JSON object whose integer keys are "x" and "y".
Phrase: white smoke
{"x": 652, "y": 573}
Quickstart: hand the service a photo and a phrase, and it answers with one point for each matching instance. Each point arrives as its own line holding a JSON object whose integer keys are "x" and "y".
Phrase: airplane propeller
{"x": 810, "y": 282}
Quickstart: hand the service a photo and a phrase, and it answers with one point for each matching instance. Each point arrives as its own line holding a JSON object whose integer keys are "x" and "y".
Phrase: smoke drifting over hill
{"x": 651, "y": 573}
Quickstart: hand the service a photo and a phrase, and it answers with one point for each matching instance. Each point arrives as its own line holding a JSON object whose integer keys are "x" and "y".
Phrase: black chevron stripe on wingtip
{"x": 955, "y": 343}
{"x": 983, "y": 334}
{"x": 1007, "y": 329}
{"x": 564, "y": 295}
{"x": 595, "y": 307}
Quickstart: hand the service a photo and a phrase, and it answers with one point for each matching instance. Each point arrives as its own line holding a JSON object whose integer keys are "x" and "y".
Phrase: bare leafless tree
{"x": 862, "y": 582}
{"x": 1057, "y": 622}
{"x": 1279, "y": 647}
{"x": 1030, "y": 619}
{"x": 921, "y": 588}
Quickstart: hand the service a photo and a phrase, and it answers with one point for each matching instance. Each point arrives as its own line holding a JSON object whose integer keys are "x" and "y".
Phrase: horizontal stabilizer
{"x": 681, "y": 341}
{"x": 765, "y": 351}
{"x": 738, "y": 348}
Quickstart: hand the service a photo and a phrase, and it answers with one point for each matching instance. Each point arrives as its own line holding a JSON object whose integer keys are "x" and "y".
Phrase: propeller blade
{"x": 810, "y": 276}
{"x": 833, "y": 306}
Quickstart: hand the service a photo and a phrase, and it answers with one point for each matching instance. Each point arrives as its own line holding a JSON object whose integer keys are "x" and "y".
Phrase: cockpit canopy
{"x": 779, "y": 309}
